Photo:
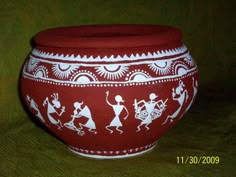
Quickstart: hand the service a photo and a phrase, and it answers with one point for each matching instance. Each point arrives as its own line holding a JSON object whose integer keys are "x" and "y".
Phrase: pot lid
{"x": 107, "y": 36}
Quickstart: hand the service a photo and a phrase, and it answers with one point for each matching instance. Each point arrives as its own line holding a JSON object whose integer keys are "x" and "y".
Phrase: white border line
{"x": 30, "y": 76}
{"x": 72, "y": 57}
{"x": 93, "y": 63}
{"x": 112, "y": 157}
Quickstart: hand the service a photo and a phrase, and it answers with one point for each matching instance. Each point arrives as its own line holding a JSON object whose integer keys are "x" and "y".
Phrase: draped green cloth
{"x": 208, "y": 129}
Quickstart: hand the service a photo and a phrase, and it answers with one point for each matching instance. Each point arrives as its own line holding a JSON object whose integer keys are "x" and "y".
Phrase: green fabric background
{"x": 26, "y": 150}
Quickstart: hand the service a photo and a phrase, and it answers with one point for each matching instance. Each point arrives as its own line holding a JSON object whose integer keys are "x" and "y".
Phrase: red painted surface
{"x": 139, "y": 79}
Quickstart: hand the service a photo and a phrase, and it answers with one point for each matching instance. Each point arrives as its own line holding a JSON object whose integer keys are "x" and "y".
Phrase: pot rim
{"x": 107, "y": 36}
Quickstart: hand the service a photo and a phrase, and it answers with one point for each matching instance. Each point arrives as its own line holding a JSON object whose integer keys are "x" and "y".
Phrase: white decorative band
{"x": 133, "y": 72}
{"x": 112, "y": 58}
{"x": 123, "y": 62}
{"x": 112, "y": 154}
{"x": 148, "y": 81}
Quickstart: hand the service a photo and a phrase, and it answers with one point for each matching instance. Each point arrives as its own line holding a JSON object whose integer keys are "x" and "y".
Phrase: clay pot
{"x": 109, "y": 91}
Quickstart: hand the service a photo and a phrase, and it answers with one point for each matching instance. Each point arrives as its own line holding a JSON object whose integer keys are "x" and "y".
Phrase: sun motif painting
{"x": 189, "y": 60}
{"x": 162, "y": 67}
{"x": 112, "y": 71}
{"x": 83, "y": 77}
{"x": 138, "y": 76}
{"x": 41, "y": 72}
{"x": 32, "y": 64}
{"x": 63, "y": 70}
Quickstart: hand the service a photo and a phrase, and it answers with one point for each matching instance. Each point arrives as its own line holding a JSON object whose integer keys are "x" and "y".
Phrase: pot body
{"x": 109, "y": 102}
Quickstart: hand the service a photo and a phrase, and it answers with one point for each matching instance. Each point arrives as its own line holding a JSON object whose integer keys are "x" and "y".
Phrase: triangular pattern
{"x": 125, "y": 57}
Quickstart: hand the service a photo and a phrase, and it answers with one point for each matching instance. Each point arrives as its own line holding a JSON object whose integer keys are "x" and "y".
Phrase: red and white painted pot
{"x": 109, "y": 91}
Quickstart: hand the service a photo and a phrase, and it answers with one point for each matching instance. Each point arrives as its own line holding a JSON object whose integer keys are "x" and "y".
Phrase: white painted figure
{"x": 195, "y": 87}
{"x": 149, "y": 110}
{"x": 34, "y": 106}
{"x": 117, "y": 108}
{"x": 81, "y": 112}
{"x": 52, "y": 109}
{"x": 179, "y": 94}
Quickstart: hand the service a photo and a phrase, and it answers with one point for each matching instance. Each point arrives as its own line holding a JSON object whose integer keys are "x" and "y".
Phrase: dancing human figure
{"x": 152, "y": 110}
{"x": 33, "y": 105}
{"x": 181, "y": 95}
{"x": 81, "y": 112}
{"x": 117, "y": 108}
{"x": 52, "y": 108}
{"x": 195, "y": 87}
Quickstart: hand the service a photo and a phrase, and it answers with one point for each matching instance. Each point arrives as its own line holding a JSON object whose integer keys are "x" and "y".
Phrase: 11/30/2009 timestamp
{"x": 194, "y": 160}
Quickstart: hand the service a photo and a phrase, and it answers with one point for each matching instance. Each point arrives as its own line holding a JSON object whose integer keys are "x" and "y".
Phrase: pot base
{"x": 128, "y": 154}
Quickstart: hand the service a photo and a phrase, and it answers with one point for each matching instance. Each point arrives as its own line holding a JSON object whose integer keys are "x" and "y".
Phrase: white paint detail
{"x": 195, "y": 88}
{"x": 179, "y": 68}
{"x": 161, "y": 67}
{"x": 122, "y": 154}
{"x": 188, "y": 58}
{"x": 33, "y": 105}
{"x": 157, "y": 54}
{"x": 63, "y": 70}
{"x": 40, "y": 72}
{"x": 112, "y": 71}
{"x": 32, "y": 64}
{"x": 147, "y": 61}
{"x": 83, "y": 77}
{"x": 78, "y": 113}
{"x": 52, "y": 110}
{"x": 138, "y": 76}
{"x": 180, "y": 94}
{"x": 117, "y": 108}
{"x": 147, "y": 111}
{"x": 102, "y": 83}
